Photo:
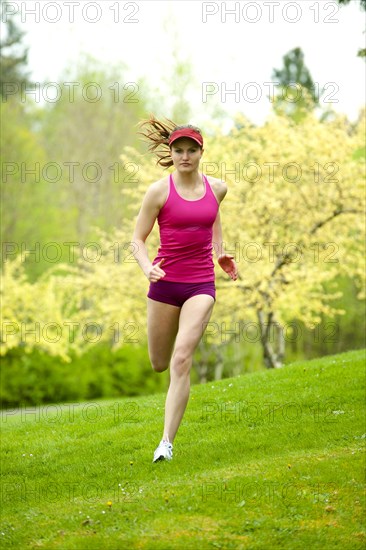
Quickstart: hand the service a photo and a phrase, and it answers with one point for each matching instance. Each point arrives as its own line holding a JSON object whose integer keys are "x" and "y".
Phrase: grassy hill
{"x": 269, "y": 460}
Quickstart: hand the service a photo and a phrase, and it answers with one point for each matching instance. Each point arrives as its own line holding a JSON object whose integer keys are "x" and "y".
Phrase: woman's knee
{"x": 181, "y": 361}
{"x": 159, "y": 366}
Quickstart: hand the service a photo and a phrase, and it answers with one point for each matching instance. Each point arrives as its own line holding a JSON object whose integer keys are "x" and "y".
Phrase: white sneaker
{"x": 164, "y": 451}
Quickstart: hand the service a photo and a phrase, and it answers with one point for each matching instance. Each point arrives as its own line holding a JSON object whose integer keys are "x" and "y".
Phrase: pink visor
{"x": 186, "y": 132}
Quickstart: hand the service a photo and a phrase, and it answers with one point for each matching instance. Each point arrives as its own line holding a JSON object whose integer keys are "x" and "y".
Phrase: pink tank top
{"x": 185, "y": 228}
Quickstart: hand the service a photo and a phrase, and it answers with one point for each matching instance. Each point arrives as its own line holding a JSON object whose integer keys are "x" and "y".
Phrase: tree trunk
{"x": 273, "y": 355}
{"x": 219, "y": 364}
{"x": 201, "y": 366}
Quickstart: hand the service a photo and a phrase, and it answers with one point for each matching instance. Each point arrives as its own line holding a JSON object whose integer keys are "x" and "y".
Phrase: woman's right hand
{"x": 156, "y": 273}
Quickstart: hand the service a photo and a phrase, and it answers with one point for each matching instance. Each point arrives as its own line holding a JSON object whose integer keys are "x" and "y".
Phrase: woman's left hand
{"x": 227, "y": 263}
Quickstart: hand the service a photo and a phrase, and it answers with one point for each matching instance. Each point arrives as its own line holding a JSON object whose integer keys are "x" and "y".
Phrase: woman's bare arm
{"x": 218, "y": 245}
{"x": 146, "y": 217}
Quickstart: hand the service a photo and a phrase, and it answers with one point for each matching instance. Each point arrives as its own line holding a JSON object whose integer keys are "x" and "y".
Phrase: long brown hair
{"x": 157, "y": 135}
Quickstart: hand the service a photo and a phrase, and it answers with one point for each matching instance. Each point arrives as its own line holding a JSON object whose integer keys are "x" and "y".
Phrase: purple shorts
{"x": 176, "y": 294}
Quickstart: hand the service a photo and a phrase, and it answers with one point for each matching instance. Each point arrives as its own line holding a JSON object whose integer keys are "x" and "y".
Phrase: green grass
{"x": 268, "y": 460}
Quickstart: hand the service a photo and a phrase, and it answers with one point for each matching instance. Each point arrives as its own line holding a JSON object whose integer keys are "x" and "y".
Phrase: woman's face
{"x": 186, "y": 154}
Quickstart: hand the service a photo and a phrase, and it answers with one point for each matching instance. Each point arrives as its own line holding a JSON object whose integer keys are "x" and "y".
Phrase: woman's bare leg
{"x": 194, "y": 316}
{"x": 162, "y": 328}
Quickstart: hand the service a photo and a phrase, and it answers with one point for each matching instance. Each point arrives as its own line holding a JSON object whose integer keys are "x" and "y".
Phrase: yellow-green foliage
{"x": 321, "y": 212}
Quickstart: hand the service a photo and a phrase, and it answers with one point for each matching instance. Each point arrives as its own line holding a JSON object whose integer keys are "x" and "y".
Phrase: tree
{"x": 13, "y": 55}
{"x": 296, "y": 90}
{"x": 28, "y": 213}
{"x": 295, "y": 70}
{"x": 345, "y": 2}
{"x": 89, "y": 126}
{"x": 293, "y": 221}
{"x": 293, "y": 217}
{"x": 362, "y": 51}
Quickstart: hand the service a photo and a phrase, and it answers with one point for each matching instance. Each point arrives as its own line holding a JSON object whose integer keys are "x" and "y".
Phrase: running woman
{"x": 182, "y": 290}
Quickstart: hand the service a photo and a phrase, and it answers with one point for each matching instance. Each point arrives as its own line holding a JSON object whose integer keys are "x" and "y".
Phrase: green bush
{"x": 36, "y": 378}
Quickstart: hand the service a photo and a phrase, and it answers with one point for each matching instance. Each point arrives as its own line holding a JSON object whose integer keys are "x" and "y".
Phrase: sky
{"x": 234, "y": 51}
